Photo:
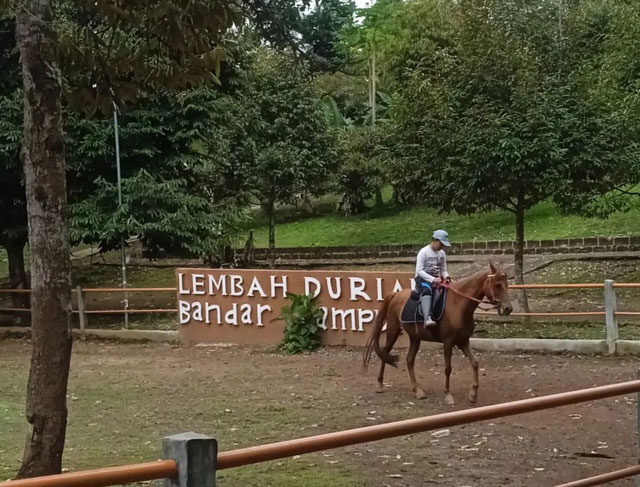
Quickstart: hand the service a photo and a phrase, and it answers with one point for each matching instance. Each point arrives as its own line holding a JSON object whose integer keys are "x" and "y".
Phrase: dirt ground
{"x": 125, "y": 397}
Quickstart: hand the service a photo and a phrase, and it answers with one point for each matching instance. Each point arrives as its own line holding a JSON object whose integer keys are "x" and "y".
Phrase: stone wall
{"x": 478, "y": 247}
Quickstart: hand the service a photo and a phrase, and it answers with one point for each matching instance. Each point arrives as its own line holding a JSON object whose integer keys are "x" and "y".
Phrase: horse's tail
{"x": 373, "y": 343}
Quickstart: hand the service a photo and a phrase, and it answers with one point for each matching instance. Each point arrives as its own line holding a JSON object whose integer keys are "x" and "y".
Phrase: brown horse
{"x": 454, "y": 328}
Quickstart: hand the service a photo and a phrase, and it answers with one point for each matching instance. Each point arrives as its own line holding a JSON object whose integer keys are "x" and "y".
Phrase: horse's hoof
{"x": 420, "y": 394}
{"x": 448, "y": 400}
{"x": 380, "y": 388}
{"x": 473, "y": 397}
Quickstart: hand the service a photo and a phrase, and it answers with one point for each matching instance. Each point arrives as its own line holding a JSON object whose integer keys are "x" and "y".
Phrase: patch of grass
{"x": 97, "y": 275}
{"x": 290, "y": 472}
{"x": 4, "y": 260}
{"x": 118, "y": 417}
{"x": 583, "y": 330}
{"x": 396, "y": 225}
{"x": 13, "y": 424}
{"x": 544, "y": 329}
{"x": 155, "y": 321}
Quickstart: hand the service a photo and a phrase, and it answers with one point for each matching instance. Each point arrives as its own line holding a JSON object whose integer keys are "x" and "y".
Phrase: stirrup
{"x": 429, "y": 322}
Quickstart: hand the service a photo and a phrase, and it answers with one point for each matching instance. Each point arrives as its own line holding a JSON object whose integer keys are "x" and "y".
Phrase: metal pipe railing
{"x": 548, "y": 314}
{"x": 103, "y": 477}
{"x": 604, "y": 478}
{"x": 589, "y": 285}
{"x": 289, "y": 448}
{"x": 104, "y": 290}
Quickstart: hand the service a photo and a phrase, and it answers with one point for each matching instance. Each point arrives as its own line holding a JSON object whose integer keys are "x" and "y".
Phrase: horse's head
{"x": 496, "y": 290}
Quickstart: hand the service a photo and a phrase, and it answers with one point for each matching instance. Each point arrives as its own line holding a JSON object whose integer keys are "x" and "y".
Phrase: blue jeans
{"x": 426, "y": 296}
{"x": 423, "y": 287}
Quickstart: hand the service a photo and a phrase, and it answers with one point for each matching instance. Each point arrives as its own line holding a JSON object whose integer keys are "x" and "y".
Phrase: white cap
{"x": 443, "y": 236}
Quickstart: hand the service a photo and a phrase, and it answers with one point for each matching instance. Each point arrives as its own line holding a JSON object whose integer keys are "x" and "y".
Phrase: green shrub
{"x": 301, "y": 331}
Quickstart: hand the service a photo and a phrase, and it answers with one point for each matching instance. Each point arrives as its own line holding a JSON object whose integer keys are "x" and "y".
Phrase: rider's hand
{"x": 448, "y": 280}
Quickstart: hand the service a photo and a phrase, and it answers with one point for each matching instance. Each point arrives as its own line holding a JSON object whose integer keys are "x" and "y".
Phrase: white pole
{"x": 124, "y": 256}
{"x": 373, "y": 86}
{"x": 610, "y": 308}
{"x": 81, "y": 310}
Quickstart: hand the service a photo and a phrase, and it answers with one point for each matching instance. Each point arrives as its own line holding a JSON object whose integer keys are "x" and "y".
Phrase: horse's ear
{"x": 492, "y": 267}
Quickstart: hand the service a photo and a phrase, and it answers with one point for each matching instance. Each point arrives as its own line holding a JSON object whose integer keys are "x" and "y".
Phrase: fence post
{"x": 195, "y": 455}
{"x": 81, "y": 309}
{"x": 610, "y": 315}
{"x": 638, "y": 423}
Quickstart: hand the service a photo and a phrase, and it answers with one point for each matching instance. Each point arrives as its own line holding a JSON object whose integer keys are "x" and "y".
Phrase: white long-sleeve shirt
{"x": 431, "y": 264}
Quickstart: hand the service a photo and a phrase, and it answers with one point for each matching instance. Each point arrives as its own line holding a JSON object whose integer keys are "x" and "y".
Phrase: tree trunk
{"x": 18, "y": 276}
{"x": 379, "y": 201}
{"x": 44, "y": 168}
{"x": 519, "y": 255}
{"x": 248, "y": 254}
{"x": 17, "y": 271}
{"x": 270, "y": 208}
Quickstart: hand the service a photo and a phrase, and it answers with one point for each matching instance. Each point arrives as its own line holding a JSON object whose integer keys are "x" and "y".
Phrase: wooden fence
{"x": 609, "y": 309}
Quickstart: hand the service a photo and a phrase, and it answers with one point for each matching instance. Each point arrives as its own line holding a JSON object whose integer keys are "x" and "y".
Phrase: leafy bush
{"x": 360, "y": 173}
{"x": 301, "y": 331}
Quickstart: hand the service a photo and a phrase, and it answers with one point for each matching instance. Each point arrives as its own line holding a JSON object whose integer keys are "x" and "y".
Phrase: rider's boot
{"x": 425, "y": 303}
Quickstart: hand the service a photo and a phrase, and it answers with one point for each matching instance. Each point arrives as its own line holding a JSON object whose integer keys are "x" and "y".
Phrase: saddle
{"x": 412, "y": 312}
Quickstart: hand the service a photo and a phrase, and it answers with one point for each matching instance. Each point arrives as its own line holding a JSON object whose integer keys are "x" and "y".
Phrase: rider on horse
{"x": 431, "y": 269}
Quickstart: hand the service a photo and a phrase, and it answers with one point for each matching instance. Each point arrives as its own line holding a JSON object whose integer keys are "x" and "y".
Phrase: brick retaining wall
{"x": 479, "y": 247}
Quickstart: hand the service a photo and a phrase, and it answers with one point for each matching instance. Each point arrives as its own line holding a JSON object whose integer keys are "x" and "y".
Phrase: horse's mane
{"x": 472, "y": 278}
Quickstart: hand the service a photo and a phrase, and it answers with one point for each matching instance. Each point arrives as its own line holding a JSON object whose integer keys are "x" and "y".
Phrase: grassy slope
{"x": 414, "y": 224}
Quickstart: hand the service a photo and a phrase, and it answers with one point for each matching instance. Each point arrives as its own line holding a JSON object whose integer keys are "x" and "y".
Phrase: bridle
{"x": 493, "y": 302}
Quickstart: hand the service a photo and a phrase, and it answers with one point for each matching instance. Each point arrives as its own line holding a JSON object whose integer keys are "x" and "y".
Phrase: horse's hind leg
{"x": 414, "y": 346}
{"x": 393, "y": 332}
{"x": 448, "y": 349}
{"x": 473, "y": 393}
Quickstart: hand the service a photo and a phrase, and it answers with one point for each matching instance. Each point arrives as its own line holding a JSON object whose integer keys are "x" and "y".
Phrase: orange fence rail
{"x": 557, "y": 286}
{"x": 102, "y": 311}
{"x": 605, "y": 477}
{"x": 585, "y": 285}
{"x": 246, "y": 456}
{"x": 162, "y": 469}
{"x": 608, "y": 313}
{"x": 104, "y": 290}
{"x": 559, "y": 314}
{"x": 548, "y": 314}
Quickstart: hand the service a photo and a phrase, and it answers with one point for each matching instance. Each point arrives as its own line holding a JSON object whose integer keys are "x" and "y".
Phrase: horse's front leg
{"x": 473, "y": 393}
{"x": 411, "y": 361}
{"x": 448, "y": 349}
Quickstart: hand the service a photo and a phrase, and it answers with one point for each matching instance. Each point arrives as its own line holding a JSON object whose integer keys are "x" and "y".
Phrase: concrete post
{"x": 610, "y": 315}
{"x": 81, "y": 309}
{"x": 195, "y": 455}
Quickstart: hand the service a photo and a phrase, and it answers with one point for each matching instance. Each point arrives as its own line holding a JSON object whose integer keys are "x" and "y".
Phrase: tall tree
{"x": 360, "y": 43}
{"x": 168, "y": 184}
{"x": 607, "y": 37}
{"x": 360, "y": 168}
{"x": 309, "y": 30}
{"x": 44, "y": 169}
{"x": 321, "y": 29}
{"x": 272, "y": 141}
{"x": 108, "y": 53}
{"x": 498, "y": 114}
